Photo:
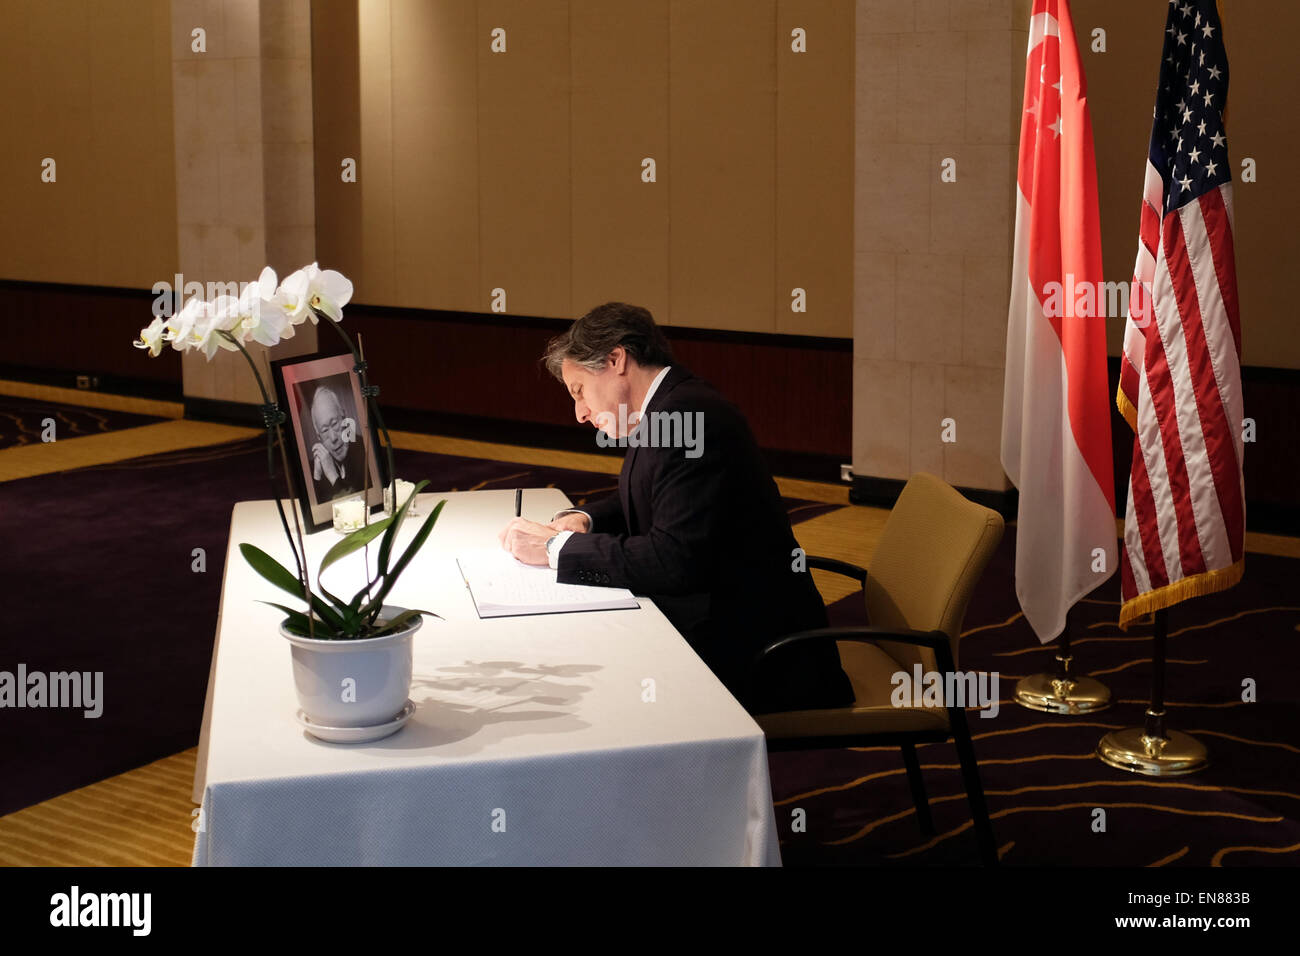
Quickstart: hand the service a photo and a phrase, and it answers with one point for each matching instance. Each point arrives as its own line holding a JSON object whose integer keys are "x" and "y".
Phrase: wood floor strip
{"x": 27, "y": 461}
{"x": 89, "y": 399}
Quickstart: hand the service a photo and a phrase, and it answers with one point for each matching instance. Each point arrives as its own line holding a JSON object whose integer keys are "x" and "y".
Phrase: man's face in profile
{"x": 327, "y": 417}
{"x": 597, "y": 395}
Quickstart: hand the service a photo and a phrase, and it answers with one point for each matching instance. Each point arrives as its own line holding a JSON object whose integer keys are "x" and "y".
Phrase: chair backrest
{"x": 930, "y": 556}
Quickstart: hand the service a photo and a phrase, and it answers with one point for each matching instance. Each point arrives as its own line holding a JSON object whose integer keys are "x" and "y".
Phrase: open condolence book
{"x": 504, "y": 587}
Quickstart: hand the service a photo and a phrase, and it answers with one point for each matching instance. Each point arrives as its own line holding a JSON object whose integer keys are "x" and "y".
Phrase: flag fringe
{"x": 1198, "y": 585}
{"x": 1126, "y": 409}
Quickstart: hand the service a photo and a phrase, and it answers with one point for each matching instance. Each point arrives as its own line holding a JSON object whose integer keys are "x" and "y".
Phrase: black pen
{"x": 519, "y": 502}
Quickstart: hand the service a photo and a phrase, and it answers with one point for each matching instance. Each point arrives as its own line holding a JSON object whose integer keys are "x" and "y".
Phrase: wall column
{"x": 244, "y": 170}
{"x": 938, "y": 86}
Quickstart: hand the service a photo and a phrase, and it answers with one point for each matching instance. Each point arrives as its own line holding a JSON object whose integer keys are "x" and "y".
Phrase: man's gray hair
{"x": 591, "y": 338}
{"x": 323, "y": 392}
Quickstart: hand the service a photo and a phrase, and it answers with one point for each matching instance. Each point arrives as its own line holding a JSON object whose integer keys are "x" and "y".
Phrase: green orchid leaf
{"x": 354, "y": 606}
{"x": 386, "y": 546}
{"x": 416, "y": 543}
{"x": 283, "y": 578}
{"x": 353, "y": 542}
{"x": 347, "y": 610}
{"x": 296, "y": 621}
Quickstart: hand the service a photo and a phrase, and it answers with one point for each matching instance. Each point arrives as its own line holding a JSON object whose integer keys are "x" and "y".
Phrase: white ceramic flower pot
{"x": 353, "y": 683}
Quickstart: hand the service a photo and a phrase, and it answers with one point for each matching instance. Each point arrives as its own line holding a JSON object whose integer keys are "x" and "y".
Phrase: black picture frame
{"x": 301, "y": 384}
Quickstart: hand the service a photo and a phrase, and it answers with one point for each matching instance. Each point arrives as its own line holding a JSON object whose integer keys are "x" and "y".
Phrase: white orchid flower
{"x": 251, "y": 316}
{"x": 259, "y": 319}
{"x": 196, "y": 326}
{"x": 151, "y": 337}
{"x": 328, "y": 292}
{"x": 290, "y": 299}
{"x": 179, "y": 326}
{"x": 223, "y": 316}
{"x": 311, "y": 290}
{"x": 203, "y": 331}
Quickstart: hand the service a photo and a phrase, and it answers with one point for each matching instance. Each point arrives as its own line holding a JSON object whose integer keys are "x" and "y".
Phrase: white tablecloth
{"x": 538, "y": 723}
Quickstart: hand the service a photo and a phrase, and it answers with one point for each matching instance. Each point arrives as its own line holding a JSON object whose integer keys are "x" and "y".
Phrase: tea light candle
{"x": 349, "y": 514}
{"x": 404, "y": 491}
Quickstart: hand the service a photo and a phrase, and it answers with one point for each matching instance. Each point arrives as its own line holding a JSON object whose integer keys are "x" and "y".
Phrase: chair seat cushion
{"x": 870, "y": 671}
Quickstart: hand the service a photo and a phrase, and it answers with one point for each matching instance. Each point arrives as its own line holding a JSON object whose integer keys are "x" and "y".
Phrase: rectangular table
{"x": 597, "y": 738}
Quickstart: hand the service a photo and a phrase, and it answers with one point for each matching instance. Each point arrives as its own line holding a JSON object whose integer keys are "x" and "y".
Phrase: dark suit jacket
{"x": 708, "y": 540}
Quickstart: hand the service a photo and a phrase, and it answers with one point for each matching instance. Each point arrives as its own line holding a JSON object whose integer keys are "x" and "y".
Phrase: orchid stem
{"x": 275, "y": 436}
{"x": 359, "y": 360}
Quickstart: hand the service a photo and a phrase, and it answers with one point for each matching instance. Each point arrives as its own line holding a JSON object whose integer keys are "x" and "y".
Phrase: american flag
{"x": 1180, "y": 374}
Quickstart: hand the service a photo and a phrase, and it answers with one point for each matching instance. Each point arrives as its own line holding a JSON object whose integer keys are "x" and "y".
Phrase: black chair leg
{"x": 970, "y": 773}
{"x": 917, "y": 783}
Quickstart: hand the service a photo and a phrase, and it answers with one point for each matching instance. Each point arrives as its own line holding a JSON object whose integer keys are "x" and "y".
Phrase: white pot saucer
{"x": 357, "y": 735}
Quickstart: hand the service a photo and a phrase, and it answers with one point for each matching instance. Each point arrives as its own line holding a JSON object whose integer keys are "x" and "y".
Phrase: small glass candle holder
{"x": 349, "y": 515}
{"x": 404, "y": 490}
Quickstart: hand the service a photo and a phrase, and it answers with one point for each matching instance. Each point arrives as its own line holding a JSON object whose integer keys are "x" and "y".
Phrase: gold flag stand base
{"x": 1171, "y": 755}
{"x": 1062, "y": 692}
{"x": 1054, "y": 695}
{"x": 1151, "y": 750}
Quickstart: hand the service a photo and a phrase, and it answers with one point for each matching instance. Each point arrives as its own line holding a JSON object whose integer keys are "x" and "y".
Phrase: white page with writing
{"x": 503, "y": 587}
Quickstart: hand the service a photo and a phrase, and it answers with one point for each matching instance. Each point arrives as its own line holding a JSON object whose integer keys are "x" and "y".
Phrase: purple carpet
{"x": 97, "y": 572}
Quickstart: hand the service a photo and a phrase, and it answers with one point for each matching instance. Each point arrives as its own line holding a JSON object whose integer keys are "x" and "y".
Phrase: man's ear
{"x": 618, "y": 359}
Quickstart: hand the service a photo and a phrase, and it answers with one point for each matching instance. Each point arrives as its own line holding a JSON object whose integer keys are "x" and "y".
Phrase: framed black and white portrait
{"x": 328, "y": 419}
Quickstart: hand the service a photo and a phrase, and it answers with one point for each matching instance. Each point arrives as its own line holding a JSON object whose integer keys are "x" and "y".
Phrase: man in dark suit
{"x": 697, "y": 525}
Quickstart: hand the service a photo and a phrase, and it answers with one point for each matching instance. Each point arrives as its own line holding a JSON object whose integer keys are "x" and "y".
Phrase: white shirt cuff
{"x": 553, "y": 552}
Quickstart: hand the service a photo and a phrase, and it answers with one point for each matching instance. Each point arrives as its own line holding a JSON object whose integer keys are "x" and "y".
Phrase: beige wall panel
{"x": 973, "y": 398}
{"x": 1263, "y": 125}
{"x": 336, "y": 124}
{"x": 20, "y": 159}
{"x": 435, "y": 150}
{"x": 814, "y": 167}
{"x": 162, "y": 129}
{"x": 89, "y": 86}
{"x": 376, "y": 281}
{"x": 927, "y": 411}
{"x": 620, "y": 117}
{"x": 56, "y": 53}
{"x": 882, "y": 398}
{"x": 131, "y": 157}
{"x": 524, "y": 158}
{"x": 722, "y": 126}
{"x": 874, "y": 304}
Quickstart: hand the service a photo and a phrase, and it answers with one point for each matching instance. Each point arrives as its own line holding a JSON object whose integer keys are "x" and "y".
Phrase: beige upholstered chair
{"x": 930, "y": 556}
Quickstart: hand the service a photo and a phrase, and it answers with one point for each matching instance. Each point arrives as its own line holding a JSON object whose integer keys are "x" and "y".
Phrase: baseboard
{"x": 104, "y": 382}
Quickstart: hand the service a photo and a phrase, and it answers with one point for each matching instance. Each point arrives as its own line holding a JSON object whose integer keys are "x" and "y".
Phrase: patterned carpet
{"x": 24, "y": 421}
{"x": 1042, "y": 780}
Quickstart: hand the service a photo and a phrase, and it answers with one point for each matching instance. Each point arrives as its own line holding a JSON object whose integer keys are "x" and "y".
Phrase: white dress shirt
{"x": 553, "y": 552}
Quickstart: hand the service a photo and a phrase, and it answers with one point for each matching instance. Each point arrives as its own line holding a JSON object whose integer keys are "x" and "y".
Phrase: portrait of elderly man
{"x": 697, "y": 527}
{"x": 337, "y": 454}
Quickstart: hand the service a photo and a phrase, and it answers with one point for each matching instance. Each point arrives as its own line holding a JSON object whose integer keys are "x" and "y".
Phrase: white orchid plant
{"x": 267, "y": 313}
